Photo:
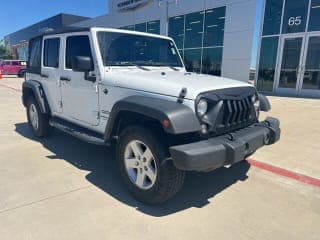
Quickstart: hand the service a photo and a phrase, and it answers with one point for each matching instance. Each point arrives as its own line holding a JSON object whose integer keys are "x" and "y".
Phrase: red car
{"x": 13, "y": 67}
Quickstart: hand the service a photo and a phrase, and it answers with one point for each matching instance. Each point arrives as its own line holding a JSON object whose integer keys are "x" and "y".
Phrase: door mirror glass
{"x": 82, "y": 64}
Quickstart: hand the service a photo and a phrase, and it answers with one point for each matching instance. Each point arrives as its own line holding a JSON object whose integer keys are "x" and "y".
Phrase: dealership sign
{"x": 132, "y": 5}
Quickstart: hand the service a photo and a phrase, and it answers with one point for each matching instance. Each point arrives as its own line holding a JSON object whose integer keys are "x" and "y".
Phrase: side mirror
{"x": 82, "y": 64}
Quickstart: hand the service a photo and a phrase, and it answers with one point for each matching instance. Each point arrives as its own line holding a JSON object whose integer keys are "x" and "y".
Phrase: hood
{"x": 171, "y": 82}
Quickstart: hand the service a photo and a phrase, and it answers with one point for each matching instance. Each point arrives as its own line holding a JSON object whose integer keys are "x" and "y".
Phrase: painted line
{"x": 285, "y": 173}
{"x": 12, "y": 88}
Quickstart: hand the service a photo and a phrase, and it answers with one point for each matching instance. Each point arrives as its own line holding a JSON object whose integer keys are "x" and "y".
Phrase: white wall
{"x": 239, "y": 27}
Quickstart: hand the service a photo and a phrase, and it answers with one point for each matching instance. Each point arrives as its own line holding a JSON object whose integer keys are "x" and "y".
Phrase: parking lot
{"x": 62, "y": 188}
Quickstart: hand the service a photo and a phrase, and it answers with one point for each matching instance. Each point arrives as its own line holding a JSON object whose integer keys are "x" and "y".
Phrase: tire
{"x": 38, "y": 122}
{"x": 166, "y": 180}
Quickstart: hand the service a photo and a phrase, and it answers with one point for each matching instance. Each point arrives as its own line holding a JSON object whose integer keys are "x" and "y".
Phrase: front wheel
{"x": 144, "y": 169}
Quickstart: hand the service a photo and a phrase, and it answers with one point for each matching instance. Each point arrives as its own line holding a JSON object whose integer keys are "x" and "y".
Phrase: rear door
{"x": 79, "y": 94}
{"x": 50, "y": 72}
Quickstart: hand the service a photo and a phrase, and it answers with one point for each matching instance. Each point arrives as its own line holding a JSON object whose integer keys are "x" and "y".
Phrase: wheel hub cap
{"x": 140, "y": 164}
{"x": 33, "y": 115}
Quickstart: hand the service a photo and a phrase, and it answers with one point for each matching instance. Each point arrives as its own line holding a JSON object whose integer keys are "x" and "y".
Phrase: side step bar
{"x": 78, "y": 132}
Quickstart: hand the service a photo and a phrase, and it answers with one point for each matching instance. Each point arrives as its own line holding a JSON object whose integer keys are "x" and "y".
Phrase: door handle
{"x": 65, "y": 79}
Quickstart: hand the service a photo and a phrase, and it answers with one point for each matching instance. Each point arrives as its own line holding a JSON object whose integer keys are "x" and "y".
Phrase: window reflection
{"x": 194, "y": 33}
{"x": 194, "y": 30}
{"x": 267, "y": 63}
{"x": 141, "y": 27}
{"x": 311, "y": 78}
{"x": 314, "y": 21}
{"x": 214, "y": 27}
{"x": 153, "y": 27}
{"x": 272, "y": 17}
{"x": 176, "y": 30}
{"x": 211, "y": 61}
{"x": 295, "y": 16}
{"x": 192, "y": 60}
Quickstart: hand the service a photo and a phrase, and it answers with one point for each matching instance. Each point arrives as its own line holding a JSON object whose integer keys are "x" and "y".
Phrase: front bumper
{"x": 227, "y": 149}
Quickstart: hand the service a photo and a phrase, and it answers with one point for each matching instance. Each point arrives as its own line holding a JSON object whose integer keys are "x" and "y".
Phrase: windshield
{"x": 119, "y": 49}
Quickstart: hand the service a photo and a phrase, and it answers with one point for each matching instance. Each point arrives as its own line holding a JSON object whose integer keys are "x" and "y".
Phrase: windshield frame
{"x": 146, "y": 35}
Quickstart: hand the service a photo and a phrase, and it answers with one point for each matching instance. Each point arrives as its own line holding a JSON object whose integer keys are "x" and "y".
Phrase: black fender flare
{"x": 36, "y": 88}
{"x": 264, "y": 103}
{"x": 181, "y": 118}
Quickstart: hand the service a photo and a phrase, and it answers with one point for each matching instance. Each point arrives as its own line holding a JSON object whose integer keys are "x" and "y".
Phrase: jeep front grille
{"x": 236, "y": 112}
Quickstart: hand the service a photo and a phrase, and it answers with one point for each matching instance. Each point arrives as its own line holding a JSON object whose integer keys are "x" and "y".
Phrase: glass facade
{"x": 311, "y": 78}
{"x": 272, "y": 17}
{"x": 148, "y": 27}
{"x": 267, "y": 63}
{"x": 295, "y": 16}
{"x": 290, "y": 30}
{"x": 199, "y": 36}
{"x": 314, "y": 20}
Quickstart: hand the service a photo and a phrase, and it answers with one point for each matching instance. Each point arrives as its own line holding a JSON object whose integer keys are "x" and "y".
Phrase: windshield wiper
{"x": 129, "y": 64}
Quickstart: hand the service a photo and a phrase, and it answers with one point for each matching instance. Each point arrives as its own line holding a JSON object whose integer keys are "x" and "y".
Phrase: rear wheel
{"x": 38, "y": 122}
{"x": 22, "y": 73}
{"x": 144, "y": 169}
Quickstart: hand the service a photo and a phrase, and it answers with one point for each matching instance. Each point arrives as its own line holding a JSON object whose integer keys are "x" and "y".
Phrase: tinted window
{"x": 314, "y": 21}
{"x": 176, "y": 30}
{"x": 131, "y": 28}
{"x": 211, "y": 61}
{"x": 128, "y": 49}
{"x": 15, "y": 63}
{"x": 272, "y": 17}
{"x": 77, "y": 46}
{"x": 51, "y": 52}
{"x": 34, "y": 62}
{"x": 214, "y": 27}
{"x": 141, "y": 27}
{"x": 192, "y": 60}
{"x": 6, "y": 63}
{"x": 295, "y": 16}
{"x": 153, "y": 27}
{"x": 194, "y": 30}
{"x": 267, "y": 63}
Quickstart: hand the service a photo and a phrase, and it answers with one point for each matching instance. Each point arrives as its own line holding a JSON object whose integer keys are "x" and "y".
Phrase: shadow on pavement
{"x": 100, "y": 161}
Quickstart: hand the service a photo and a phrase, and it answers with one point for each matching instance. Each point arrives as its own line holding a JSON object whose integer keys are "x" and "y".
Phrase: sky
{"x": 17, "y": 14}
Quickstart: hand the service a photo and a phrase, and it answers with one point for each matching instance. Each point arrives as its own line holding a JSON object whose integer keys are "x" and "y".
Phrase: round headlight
{"x": 202, "y": 107}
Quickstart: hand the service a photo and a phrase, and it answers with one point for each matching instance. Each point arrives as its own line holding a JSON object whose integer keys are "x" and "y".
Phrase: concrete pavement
{"x": 62, "y": 188}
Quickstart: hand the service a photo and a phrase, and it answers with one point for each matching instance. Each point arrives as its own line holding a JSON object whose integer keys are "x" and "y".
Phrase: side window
{"x": 34, "y": 62}
{"x": 51, "y": 52}
{"x": 77, "y": 46}
{"x": 14, "y": 63}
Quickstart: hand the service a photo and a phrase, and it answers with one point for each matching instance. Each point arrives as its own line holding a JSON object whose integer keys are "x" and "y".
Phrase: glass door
{"x": 310, "y": 84}
{"x": 289, "y": 73}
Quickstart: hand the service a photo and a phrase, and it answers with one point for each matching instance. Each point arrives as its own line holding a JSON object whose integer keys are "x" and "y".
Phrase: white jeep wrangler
{"x": 131, "y": 91}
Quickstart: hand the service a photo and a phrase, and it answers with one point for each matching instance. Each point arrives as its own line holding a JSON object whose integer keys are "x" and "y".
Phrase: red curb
{"x": 12, "y": 88}
{"x": 285, "y": 173}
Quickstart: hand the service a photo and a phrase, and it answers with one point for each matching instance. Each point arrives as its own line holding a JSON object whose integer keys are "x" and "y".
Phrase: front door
{"x": 290, "y": 71}
{"x": 310, "y": 82}
{"x": 79, "y": 94}
{"x": 299, "y": 65}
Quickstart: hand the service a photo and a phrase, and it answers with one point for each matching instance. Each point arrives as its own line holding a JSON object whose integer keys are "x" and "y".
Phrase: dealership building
{"x": 216, "y": 37}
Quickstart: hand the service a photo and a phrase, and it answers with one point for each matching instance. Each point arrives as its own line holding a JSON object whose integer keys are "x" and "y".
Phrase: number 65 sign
{"x": 294, "y": 21}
